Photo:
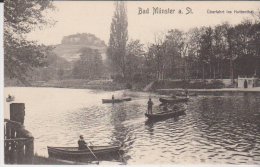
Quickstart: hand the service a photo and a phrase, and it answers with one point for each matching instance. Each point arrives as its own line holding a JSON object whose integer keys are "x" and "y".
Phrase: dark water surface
{"x": 215, "y": 129}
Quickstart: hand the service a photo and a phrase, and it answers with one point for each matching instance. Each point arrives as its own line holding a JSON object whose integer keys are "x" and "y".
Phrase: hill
{"x": 70, "y": 46}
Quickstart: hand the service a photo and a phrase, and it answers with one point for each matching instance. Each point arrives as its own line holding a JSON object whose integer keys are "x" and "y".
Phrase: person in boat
{"x": 186, "y": 92}
{"x": 150, "y": 106}
{"x": 173, "y": 95}
{"x": 81, "y": 142}
{"x": 113, "y": 98}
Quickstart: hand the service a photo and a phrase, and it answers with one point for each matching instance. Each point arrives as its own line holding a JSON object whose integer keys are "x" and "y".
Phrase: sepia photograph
{"x": 131, "y": 82}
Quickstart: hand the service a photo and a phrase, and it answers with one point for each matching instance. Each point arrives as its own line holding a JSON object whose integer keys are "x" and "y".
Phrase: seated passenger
{"x": 81, "y": 142}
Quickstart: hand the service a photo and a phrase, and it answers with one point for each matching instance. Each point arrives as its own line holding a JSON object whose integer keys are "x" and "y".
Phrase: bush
{"x": 128, "y": 86}
{"x": 138, "y": 77}
{"x": 215, "y": 84}
{"x": 118, "y": 78}
{"x": 198, "y": 84}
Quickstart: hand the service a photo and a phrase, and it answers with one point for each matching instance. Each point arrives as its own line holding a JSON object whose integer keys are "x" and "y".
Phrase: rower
{"x": 150, "y": 106}
{"x": 113, "y": 98}
{"x": 82, "y": 144}
{"x": 186, "y": 92}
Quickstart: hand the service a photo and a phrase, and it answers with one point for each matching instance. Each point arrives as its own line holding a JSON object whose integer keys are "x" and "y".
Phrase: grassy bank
{"x": 189, "y": 84}
{"x": 111, "y": 85}
{"x": 82, "y": 84}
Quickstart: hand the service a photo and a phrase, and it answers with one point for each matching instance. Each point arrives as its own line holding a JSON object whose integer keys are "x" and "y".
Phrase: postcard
{"x": 131, "y": 82}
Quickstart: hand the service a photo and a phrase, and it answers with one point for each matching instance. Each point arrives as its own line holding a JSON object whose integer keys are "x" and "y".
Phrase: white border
{"x": 2, "y": 82}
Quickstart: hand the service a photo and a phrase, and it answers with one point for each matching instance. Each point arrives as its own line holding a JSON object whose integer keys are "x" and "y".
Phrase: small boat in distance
{"x": 10, "y": 98}
{"x": 116, "y": 100}
{"x": 73, "y": 153}
{"x": 174, "y": 100}
{"x": 165, "y": 114}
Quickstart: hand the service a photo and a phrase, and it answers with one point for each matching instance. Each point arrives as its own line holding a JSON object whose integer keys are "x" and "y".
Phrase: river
{"x": 215, "y": 129}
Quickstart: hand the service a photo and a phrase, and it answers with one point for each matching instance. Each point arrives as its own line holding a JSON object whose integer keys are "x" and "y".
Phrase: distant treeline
{"x": 219, "y": 52}
{"x": 222, "y": 51}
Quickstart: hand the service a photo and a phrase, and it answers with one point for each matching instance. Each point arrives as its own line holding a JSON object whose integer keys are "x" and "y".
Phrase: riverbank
{"x": 108, "y": 85}
{"x": 40, "y": 160}
{"x": 223, "y": 91}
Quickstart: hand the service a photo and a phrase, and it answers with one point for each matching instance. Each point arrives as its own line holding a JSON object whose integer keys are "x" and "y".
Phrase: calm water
{"x": 214, "y": 129}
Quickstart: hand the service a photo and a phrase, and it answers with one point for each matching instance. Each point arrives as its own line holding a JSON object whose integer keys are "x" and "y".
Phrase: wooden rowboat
{"x": 72, "y": 153}
{"x": 168, "y": 114}
{"x": 174, "y": 100}
{"x": 115, "y": 100}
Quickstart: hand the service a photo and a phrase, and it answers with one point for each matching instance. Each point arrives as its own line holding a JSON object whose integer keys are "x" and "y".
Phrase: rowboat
{"x": 174, "y": 100}
{"x": 166, "y": 114}
{"x": 115, "y": 100}
{"x": 71, "y": 153}
{"x": 10, "y": 98}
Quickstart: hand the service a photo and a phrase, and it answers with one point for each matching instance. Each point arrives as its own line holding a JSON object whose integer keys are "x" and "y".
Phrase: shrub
{"x": 138, "y": 77}
{"x": 118, "y": 78}
{"x": 215, "y": 84}
{"x": 128, "y": 86}
{"x": 197, "y": 85}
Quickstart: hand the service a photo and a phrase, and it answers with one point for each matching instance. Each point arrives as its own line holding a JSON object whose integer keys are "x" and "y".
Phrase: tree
{"x": 116, "y": 51}
{"x": 157, "y": 56}
{"x": 206, "y": 50}
{"x": 90, "y": 65}
{"x": 193, "y": 51}
{"x": 20, "y": 18}
{"x": 175, "y": 46}
{"x": 134, "y": 58}
{"x": 247, "y": 47}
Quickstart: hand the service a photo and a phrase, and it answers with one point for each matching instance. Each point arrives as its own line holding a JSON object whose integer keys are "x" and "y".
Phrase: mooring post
{"x": 17, "y": 112}
{"x": 22, "y": 147}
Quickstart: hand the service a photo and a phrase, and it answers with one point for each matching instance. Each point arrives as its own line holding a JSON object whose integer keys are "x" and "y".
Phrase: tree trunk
{"x": 231, "y": 71}
{"x": 214, "y": 72}
{"x": 197, "y": 70}
{"x": 210, "y": 71}
{"x": 221, "y": 70}
{"x": 203, "y": 73}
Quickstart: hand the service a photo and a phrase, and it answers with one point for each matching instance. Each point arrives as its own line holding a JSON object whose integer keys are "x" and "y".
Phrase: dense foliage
{"x": 20, "y": 18}
{"x": 116, "y": 51}
{"x": 89, "y": 66}
{"x": 219, "y": 52}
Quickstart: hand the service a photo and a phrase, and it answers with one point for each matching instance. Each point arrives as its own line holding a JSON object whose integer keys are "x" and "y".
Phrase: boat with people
{"x": 10, "y": 98}
{"x": 173, "y": 100}
{"x": 166, "y": 114}
{"x": 116, "y": 100}
{"x": 72, "y": 153}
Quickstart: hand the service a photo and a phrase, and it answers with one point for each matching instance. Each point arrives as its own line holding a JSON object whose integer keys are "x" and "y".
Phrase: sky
{"x": 95, "y": 17}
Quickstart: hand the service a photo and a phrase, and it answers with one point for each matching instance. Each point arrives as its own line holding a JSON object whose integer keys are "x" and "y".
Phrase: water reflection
{"x": 215, "y": 129}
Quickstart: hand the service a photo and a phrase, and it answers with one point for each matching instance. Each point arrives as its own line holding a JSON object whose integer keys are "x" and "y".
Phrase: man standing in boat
{"x": 81, "y": 142}
{"x": 186, "y": 92}
{"x": 113, "y": 98}
{"x": 150, "y": 106}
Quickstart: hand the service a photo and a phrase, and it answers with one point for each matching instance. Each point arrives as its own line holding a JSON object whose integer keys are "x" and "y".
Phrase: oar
{"x": 93, "y": 153}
